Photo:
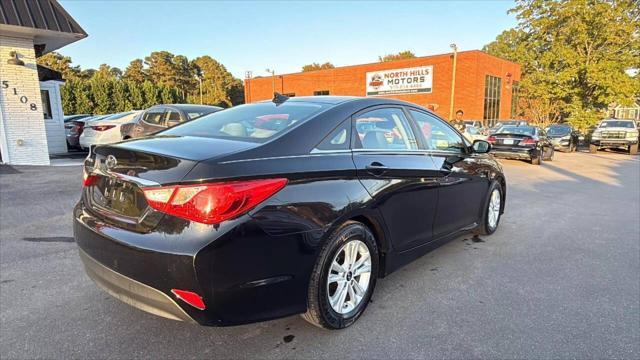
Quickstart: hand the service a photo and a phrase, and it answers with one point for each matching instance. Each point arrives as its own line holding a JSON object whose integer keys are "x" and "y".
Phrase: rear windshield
{"x": 252, "y": 122}
{"x": 118, "y": 116}
{"x": 617, "y": 123}
{"x": 558, "y": 130}
{"x": 518, "y": 130}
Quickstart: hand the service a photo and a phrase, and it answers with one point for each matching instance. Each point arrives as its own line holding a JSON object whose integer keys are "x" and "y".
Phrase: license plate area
{"x": 508, "y": 141}
{"x": 119, "y": 197}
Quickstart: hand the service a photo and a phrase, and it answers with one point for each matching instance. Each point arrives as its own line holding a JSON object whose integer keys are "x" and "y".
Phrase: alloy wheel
{"x": 494, "y": 209}
{"x": 349, "y": 277}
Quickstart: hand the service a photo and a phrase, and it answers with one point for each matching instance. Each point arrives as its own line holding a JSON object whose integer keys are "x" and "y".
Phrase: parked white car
{"x": 107, "y": 130}
{"x": 472, "y": 133}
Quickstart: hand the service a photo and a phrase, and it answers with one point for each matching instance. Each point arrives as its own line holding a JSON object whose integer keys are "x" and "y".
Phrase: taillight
{"x": 212, "y": 203}
{"x": 527, "y": 141}
{"x": 491, "y": 139}
{"x": 89, "y": 180}
{"x": 102, "y": 127}
{"x": 190, "y": 298}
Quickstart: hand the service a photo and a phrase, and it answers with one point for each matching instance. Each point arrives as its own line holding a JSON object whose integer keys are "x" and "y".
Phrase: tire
{"x": 550, "y": 158}
{"x": 593, "y": 149}
{"x": 536, "y": 160}
{"x": 320, "y": 312}
{"x": 487, "y": 225}
{"x": 633, "y": 149}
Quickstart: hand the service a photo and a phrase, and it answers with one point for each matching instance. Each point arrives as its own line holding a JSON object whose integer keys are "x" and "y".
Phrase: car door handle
{"x": 376, "y": 166}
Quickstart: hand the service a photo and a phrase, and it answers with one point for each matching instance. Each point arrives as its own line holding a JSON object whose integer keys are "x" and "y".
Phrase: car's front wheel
{"x": 492, "y": 210}
{"x": 343, "y": 278}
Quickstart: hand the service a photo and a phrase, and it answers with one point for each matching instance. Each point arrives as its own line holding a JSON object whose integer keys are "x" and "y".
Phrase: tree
{"x": 407, "y": 54}
{"x": 136, "y": 95}
{"x": 121, "y": 96}
{"x": 217, "y": 83}
{"x": 59, "y": 63}
{"x": 68, "y": 98}
{"x": 135, "y": 71}
{"x": 83, "y": 100}
{"x": 102, "y": 89}
{"x": 161, "y": 68}
{"x": 316, "y": 66}
{"x": 575, "y": 55}
{"x": 167, "y": 95}
{"x": 150, "y": 92}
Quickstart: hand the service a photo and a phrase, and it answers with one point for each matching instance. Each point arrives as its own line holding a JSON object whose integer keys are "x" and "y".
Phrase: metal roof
{"x": 46, "y": 21}
{"x": 38, "y": 14}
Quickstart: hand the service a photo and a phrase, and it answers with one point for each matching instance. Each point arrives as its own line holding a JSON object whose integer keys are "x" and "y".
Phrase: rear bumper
{"x": 132, "y": 292}
{"x": 236, "y": 268}
{"x": 514, "y": 153}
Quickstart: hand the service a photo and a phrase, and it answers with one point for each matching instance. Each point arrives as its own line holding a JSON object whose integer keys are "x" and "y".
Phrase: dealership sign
{"x": 400, "y": 81}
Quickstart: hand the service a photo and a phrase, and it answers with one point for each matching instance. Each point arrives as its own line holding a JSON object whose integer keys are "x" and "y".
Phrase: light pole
{"x": 199, "y": 76}
{"x": 273, "y": 79}
{"x": 453, "y": 79}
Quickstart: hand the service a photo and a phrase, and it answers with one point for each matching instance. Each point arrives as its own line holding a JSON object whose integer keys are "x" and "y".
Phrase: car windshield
{"x": 518, "y": 130}
{"x": 617, "y": 123}
{"x": 472, "y": 130}
{"x": 559, "y": 130}
{"x": 252, "y": 122}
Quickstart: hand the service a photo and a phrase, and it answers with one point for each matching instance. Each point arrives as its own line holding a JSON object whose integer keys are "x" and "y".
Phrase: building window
{"x": 492, "y": 86}
{"x": 515, "y": 95}
{"x": 290, "y": 94}
{"x": 46, "y": 104}
{"x": 321, "y": 92}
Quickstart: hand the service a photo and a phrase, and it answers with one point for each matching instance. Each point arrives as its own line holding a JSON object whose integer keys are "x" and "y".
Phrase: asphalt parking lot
{"x": 559, "y": 279}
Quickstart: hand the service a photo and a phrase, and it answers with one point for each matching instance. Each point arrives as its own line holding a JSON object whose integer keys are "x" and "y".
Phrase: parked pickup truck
{"x": 615, "y": 133}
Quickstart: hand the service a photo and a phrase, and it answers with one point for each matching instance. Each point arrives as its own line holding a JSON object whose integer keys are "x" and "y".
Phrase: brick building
{"x": 485, "y": 86}
{"x": 31, "y": 116}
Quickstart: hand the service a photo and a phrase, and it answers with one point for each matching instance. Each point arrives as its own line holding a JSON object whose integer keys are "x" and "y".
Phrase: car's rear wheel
{"x": 633, "y": 149}
{"x": 492, "y": 210}
{"x": 343, "y": 278}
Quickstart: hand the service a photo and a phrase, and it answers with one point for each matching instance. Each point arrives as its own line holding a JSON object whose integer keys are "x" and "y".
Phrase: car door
{"x": 152, "y": 121}
{"x": 397, "y": 173}
{"x": 462, "y": 178}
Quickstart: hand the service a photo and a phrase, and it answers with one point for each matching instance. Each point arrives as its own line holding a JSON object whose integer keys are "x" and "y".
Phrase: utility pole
{"x": 199, "y": 76}
{"x": 453, "y": 79}
{"x": 273, "y": 79}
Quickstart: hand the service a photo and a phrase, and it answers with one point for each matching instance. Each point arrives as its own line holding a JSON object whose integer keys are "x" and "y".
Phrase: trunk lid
{"x": 509, "y": 139}
{"x": 121, "y": 171}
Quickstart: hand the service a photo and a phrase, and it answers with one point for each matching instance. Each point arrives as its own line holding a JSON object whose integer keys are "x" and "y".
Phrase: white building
{"x": 31, "y": 117}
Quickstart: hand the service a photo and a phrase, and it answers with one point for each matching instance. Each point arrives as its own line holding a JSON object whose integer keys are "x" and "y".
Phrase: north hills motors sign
{"x": 400, "y": 81}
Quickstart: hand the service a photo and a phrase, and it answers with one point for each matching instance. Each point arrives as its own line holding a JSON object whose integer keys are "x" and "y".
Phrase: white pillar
{"x": 23, "y": 136}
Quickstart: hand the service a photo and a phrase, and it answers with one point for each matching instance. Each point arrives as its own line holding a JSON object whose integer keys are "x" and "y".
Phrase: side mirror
{"x": 481, "y": 147}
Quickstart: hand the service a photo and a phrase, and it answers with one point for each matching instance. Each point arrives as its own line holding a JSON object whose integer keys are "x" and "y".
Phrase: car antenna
{"x": 279, "y": 98}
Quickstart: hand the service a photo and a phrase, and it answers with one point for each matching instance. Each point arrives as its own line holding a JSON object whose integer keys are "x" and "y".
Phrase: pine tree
{"x": 136, "y": 96}
{"x": 68, "y": 97}
{"x": 150, "y": 92}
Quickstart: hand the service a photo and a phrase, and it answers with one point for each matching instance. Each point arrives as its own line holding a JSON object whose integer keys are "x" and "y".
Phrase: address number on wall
{"x": 23, "y": 99}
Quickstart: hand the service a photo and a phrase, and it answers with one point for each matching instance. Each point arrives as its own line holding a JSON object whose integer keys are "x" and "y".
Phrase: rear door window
{"x": 154, "y": 117}
{"x": 251, "y": 122}
{"x": 383, "y": 129}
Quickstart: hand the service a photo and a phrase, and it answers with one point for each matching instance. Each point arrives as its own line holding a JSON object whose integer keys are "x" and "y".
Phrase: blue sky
{"x": 247, "y": 35}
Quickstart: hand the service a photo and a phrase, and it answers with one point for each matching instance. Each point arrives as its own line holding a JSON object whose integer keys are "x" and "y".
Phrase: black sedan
{"x": 295, "y": 206}
{"x": 563, "y": 137}
{"x": 522, "y": 142}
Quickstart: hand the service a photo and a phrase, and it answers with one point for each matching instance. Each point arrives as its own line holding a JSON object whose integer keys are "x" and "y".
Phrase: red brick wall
{"x": 472, "y": 66}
